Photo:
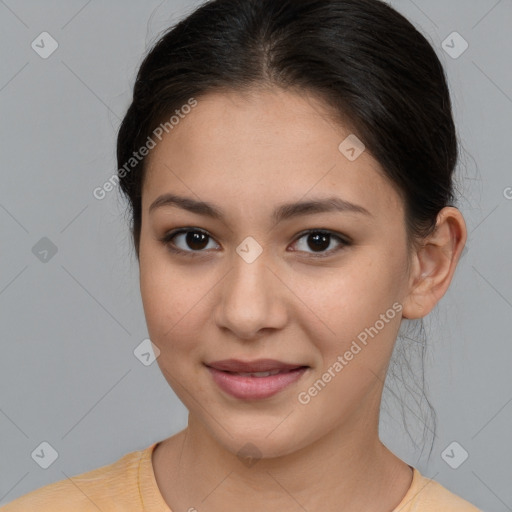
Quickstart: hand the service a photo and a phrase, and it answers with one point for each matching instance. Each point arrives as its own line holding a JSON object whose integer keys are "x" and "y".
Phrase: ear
{"x": 434, "y": 263}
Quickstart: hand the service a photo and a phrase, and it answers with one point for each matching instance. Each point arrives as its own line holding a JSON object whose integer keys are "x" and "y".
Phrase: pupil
{"x": 195, "y": 240}
{"x": 320, "y": 240}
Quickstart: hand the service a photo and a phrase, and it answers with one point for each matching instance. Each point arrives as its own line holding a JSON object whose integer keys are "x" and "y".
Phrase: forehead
{"x": 261, "y": 147}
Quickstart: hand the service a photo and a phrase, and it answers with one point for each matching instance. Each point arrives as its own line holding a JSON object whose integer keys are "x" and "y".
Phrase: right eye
{"x": 196, "y": 239}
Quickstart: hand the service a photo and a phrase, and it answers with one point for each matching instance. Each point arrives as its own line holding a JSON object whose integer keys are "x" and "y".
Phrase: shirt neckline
{"x": 153, "y": 501}
{"x": 150, "y": 495}
{"x": 413, "y": 490}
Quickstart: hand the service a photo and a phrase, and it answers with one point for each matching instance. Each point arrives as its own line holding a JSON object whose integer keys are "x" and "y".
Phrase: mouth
{"x": 253, "y": 380}
{"x": 256, "y": 366}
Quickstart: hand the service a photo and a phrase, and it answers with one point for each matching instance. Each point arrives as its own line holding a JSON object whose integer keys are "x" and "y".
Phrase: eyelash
{"x": 166, "y": 240}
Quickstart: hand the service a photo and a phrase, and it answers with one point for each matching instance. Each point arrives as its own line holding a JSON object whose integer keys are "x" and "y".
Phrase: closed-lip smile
{"x": 258, "y": 365}
{"x": 257, "y": 379}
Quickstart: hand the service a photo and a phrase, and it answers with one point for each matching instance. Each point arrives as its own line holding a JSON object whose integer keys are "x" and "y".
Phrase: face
{"x": 244, "y": 277}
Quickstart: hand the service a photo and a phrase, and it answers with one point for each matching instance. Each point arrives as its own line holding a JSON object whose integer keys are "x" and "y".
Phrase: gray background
{"x": 69, "y": 325}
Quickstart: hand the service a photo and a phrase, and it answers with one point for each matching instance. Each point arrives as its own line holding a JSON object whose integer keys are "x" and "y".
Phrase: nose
{"x": 252, "y": 299}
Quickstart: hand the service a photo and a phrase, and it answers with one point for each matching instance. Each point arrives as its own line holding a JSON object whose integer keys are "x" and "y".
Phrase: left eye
{"x": 197, "y": 241}
{"x": 319, "y": 241}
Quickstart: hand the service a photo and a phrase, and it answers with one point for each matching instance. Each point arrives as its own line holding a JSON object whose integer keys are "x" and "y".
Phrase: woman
{"x": 288, "y": 165}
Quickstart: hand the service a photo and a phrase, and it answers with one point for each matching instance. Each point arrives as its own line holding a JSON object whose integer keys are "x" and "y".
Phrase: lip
{"x": 258, "y": 365}
{"x": 224, "y": 374}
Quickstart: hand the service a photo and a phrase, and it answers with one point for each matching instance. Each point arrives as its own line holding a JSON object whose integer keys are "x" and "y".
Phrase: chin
{"x": 257, "y": 439}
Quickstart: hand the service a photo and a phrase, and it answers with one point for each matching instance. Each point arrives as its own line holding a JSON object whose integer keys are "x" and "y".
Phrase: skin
{"x": 247, "y": 153}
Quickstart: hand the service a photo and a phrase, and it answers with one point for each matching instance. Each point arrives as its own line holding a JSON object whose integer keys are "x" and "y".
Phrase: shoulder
{"x": 110, "y": 487}
{"x": 426, "y": 495}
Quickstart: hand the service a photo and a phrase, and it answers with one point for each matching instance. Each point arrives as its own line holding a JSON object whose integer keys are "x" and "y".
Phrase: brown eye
{"x": 191, "y": 241}
{"x": 196, "y": 240}
{"x": 319, "y": 241}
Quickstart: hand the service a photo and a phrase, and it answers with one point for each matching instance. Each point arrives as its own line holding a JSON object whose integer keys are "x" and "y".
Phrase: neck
{"x": 347, "y": 469}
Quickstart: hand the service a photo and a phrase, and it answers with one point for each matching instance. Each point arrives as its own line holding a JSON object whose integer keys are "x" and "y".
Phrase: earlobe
{"x": 435, "y": 262}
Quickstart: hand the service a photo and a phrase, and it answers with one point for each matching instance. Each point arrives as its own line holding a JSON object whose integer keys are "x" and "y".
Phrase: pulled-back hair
{"x": 365, "y": 60}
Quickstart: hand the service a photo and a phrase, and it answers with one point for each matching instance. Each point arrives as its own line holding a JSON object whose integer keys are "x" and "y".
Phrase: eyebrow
{"x": 283, "y": 212}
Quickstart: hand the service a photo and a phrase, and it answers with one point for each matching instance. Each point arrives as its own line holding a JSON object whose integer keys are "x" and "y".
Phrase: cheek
{"x": 365, "y": 284}
{"x": 168, "y": 298}
{"x": 170, "y": 327}
{"x": 346, "y": 304}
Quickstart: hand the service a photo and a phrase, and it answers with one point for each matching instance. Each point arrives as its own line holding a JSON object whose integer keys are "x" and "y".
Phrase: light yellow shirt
{"x": 129, "y": 485}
